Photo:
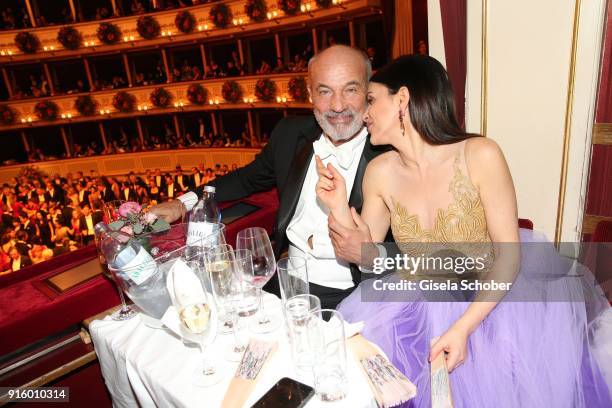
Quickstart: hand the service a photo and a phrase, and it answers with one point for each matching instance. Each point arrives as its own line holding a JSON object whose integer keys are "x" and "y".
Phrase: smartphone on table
{"x": 286, "y": 393}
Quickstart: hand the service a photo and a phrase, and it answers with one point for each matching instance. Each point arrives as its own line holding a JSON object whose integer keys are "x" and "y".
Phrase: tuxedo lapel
{"x": 297, "y": 174}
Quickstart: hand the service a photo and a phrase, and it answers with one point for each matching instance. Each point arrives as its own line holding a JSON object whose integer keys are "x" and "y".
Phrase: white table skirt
{"x": 150, "y": 367}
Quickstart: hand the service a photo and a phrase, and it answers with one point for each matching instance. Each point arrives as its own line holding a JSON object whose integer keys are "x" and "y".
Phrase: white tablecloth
{"x": 152, "y": 367}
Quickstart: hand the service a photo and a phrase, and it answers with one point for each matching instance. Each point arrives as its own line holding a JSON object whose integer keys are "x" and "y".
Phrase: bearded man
{"x": 337, "y": 83}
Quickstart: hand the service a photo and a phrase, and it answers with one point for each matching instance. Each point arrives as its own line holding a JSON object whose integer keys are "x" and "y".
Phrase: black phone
{"x": 286, "y": 393}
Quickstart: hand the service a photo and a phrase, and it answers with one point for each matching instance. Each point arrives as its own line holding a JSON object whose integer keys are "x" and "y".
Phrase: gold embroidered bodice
{"x": 463, "y": 221}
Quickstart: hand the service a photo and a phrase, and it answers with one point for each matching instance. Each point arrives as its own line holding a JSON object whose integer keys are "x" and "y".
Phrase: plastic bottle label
{"x": 140, "y": 268}
{"x": 196, "y": 231}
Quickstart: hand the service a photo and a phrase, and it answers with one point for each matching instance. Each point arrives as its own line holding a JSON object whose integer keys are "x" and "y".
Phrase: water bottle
{"x": 204, "y": 215}
{"x": 127, "y": 257}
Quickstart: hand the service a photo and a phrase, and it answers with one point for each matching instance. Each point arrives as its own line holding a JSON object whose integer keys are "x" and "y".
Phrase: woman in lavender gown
{"x": 541, "y": 344}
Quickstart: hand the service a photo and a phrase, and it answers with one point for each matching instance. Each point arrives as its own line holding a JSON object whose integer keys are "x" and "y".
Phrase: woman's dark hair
{"x": 431, "y": 106}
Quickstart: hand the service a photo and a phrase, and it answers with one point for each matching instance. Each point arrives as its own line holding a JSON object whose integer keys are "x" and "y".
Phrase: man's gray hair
{"x": 361, "y": 53}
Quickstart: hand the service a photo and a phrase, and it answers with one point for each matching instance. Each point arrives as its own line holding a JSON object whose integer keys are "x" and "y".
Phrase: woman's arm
{"x": 491, "y": 176}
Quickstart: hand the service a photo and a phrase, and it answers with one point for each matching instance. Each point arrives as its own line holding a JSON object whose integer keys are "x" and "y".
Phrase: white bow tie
{"x": 324, "y": 150}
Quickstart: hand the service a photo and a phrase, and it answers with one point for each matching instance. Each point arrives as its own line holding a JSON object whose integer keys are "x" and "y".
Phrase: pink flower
{"x": 127, "y": 229}
{"x": 150, "y": 218}
{"x": 129, "y": 208}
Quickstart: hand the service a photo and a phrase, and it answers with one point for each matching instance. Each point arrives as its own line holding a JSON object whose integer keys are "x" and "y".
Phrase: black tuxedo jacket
{"x": 283, "y": 163}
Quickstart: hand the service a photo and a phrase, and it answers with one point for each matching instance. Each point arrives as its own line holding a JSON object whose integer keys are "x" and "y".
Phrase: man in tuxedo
{"x": 82, "y": 192}
{"x": 170, "y": 188}
{"x": 180, "y": 180}
{"x": 159, "y": 179}
{"x": 338, "y": 79}
{"x": 88, "y": 222}
{"x": 195, "y": 179}
{"x": 106, "y": 194}
{"x": 128, "y": 192}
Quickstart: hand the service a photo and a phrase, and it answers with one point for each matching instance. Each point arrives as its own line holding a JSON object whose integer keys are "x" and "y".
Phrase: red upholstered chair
{"x": 525, "y": 223}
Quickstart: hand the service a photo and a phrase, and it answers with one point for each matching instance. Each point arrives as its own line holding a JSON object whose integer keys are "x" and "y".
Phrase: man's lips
{"x": 340, "y": 119}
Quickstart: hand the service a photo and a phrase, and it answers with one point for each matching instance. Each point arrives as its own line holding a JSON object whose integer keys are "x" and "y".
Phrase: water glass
{"x": 292, "y": 277}
{"x": 326, "y": 337}
{"x": 299, "y": 311}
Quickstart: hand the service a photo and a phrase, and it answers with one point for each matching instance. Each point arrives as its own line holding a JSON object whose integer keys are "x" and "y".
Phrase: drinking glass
{"x": 198, "y": 321}
{"x": 327, "y": 339}
{"x": 125, "y": 312}
{"x": 226, "y": 282}
{"x": 292, "y": 277}
{"x": 264, "y": 265}
{"x": 299, "y": 311}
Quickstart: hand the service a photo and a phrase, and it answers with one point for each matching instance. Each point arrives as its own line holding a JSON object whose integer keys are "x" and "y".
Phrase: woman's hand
{"x": 331, "y": 187}
{"x": 454, "y": 342}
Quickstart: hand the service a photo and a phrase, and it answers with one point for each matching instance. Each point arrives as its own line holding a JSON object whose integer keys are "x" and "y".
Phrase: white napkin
{"x": 352, "y": 329}
{"x": 183, "y": 284}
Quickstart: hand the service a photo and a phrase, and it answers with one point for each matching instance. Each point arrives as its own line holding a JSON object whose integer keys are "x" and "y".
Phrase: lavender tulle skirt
{"x": 548, "y": 349}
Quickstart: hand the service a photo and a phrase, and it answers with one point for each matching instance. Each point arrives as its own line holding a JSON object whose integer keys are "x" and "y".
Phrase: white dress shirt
{"x": 310, "y": 217}
{"x": 90, "y": 225}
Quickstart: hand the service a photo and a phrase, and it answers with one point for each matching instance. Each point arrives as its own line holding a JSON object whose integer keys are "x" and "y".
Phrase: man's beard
{"x": 341, "y": 131}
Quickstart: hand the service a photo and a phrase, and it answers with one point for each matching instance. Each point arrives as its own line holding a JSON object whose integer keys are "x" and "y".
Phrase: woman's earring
{"x": 401, "y": 119}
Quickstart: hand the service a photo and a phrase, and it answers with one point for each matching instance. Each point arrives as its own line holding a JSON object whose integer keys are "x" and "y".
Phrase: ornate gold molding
{"x": 568, "y": 125}
{"x": 590, "y": 222}
{"x": 25, "y": 107}
{"x": 602, "y": 133}
{"x": 48, "y": 35}
{"x": 121, "y": 164}
{"x": 484, "y": 75}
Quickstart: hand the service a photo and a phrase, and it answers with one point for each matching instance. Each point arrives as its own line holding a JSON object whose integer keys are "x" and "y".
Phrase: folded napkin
{"x": 389, "y": 386}
{"x": 249, "y": 371}
{"x": 183, "y": 284}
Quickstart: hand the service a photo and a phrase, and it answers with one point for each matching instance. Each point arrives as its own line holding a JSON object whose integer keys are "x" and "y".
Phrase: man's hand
{"x": 169, "y": 211}
{"x": 346, "y": 241}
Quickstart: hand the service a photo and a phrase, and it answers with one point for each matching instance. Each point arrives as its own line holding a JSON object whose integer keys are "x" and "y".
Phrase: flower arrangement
{"x": 185, "y": 21}
{"x": 220, "y": 15}
{"x": 290, "y": 7}
{"x": 148, "y": 27}
{"x": 256, "y": 10}
{"x": 7, "y": 115}
{"x": 231, "y": 91}
{"x": 160, "y": 97}
{"x": 27, "y": 42}
{"x": 124, "y": 102}
{"x": 86, "y": 105}
{"x": 298, "y": 89}
{"x": 135, "y": 220}
{"x": 265, "y": 90}
{"x": 70, "y": 38}
{"x": 46, "y": 110}
{"x": 197, "y": 94}
{"x": 324, "y": 3}
{"x": 109, "y": 33}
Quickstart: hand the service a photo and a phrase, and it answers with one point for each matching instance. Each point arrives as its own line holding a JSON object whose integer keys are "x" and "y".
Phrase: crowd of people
{"x": 167, "y": 141}
{"x": 44, "y": 216}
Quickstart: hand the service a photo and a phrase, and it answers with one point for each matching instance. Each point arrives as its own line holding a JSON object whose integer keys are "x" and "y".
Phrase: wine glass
{"x": 101, "y": 232}
{"x": 226, "y": 282}
{"x": 264, "y": 265}
{"x": 198, "y": 324}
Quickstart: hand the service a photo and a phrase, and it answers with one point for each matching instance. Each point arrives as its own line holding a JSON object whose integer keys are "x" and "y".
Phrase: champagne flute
{"x": 264, "y": 265}
{"x": 218, "y": 261}
{"x": 101, "y": 233}
{"x": 224, "y": 269}
{"x": 198, "y": 322}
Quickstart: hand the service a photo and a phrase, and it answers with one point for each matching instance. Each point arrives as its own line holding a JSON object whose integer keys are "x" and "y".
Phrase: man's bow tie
{"x": 324, "y": 150}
